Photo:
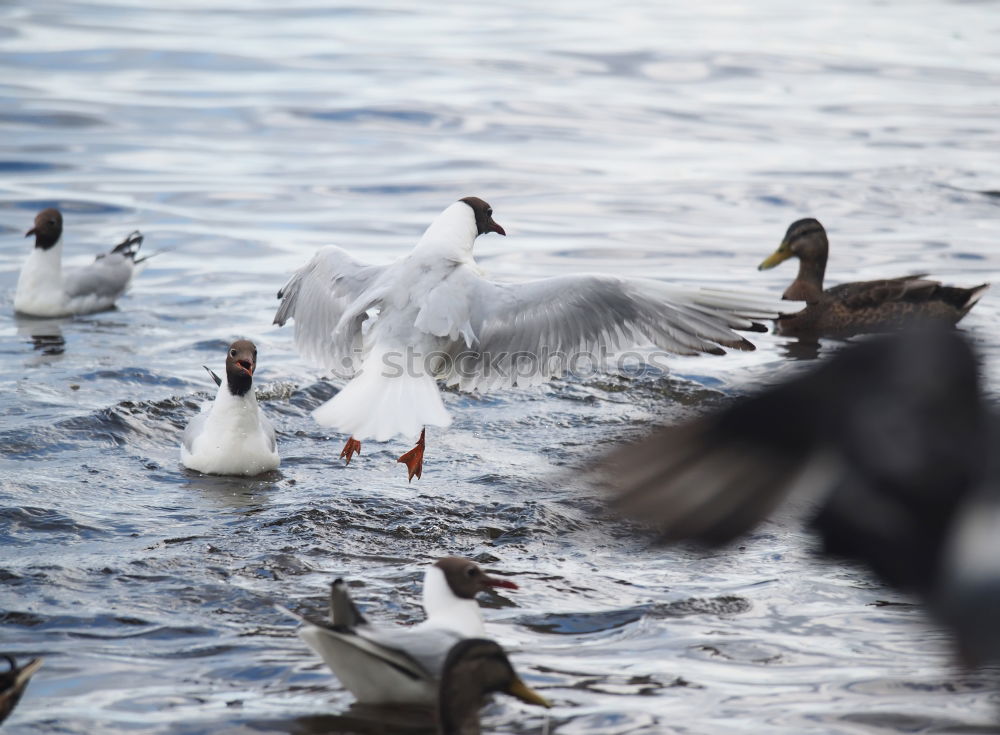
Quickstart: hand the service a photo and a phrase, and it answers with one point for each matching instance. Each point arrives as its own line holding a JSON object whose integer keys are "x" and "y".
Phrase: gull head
{"x": 484, "y": 216}
{"x": 466, "y": 579}
{"x": 47, "y": 229}
{"x": 240, "y": 364}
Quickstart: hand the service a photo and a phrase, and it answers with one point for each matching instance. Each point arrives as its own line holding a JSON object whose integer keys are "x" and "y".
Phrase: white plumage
{"x": 231, "y": 435}
{"x": 46, "y": 289}
{"x": 400, "y": 665}
{"x": 433, "y": 315}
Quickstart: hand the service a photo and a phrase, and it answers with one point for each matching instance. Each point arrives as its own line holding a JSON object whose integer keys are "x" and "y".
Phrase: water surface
{"x": 644, "y": 139}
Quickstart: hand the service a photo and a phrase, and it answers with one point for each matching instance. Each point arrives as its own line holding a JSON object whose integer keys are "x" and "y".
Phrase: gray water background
{"x": 673, "y": 140}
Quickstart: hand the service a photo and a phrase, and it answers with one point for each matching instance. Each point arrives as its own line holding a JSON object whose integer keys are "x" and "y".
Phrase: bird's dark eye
{"x": 232, "y": 353}
{"x": 52, "y": 222}
{"x": 471, "y": 571}
{"x": 489, "y": 212}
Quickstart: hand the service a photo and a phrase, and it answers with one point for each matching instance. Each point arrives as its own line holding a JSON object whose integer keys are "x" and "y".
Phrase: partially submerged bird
{"x": 433, "y": 315}
{"x": 231, "y": 435}
{"x": 13, "y": 681}
{"x": 892, "y": 442}
{"x": 474, "y": 668}
{"x": 401, "y": 665}
{"x": 46, "y": 289}
{"x": 863, "y": 306}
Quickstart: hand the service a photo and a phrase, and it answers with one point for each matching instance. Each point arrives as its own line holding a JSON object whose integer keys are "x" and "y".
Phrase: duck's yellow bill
{"x": 780, "y": 255}
{"x": 526, "y": 694}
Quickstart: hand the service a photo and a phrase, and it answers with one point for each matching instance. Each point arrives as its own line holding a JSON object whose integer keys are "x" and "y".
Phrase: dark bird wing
{"x": 889, "y": 434}
{"x": 13, "y": 682}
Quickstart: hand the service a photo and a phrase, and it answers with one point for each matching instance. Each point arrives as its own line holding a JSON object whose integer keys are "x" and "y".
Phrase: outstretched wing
{"x": 507, "y": 334}
{"x": 316, "y": 297}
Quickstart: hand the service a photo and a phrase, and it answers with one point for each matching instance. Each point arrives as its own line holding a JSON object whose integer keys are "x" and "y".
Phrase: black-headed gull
{"x": 13, "y": 682}
{"x": 232, "y": 436}
{"x": 476, "y": 667}
{"x": 891, "y": 440}
{"x": 433, "y": 315}
{"x": 401, "y": 665}
{"x": 45, "y": 288}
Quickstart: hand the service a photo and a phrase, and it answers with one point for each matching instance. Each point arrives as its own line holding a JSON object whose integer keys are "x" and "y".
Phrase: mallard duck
{"x": 891, "y": 439}
{"x": 474, "y": 668}
{"x": 13, "y": 682}
{"x": 395, "y": 664}
{"x": 862, "y": 306}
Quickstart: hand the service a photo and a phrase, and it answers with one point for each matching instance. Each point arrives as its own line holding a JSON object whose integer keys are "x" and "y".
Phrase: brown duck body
{"x": 860, "y": 307}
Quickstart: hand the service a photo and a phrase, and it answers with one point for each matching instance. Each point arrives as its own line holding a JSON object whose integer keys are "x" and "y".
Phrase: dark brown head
{"x": 474, "y": 668}
{"x": 47, "y": 229}
{"x": 466, "y": 579}
{"x": 240, "y": 364}
{"x": 805, "y": 240}
{"x": 484, "y": 216}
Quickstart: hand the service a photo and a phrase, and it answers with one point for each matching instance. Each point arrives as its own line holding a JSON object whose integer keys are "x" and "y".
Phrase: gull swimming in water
{"x": 45, "y": 288}
{"x": 232, "y": 436}
{"x": 396, "y": 664}
{"x": 397, "y": 329}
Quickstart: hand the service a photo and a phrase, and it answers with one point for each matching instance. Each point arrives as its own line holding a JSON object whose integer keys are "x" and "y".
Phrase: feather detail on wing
{"x": 714, "y": 478}
{"x": 506, "y": 334}
{"x": 318, "y": 297}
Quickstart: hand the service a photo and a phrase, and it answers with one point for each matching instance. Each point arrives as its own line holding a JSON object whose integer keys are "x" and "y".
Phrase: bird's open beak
{"x": 30, "y": 232}
{"x": 246, "y": 365}
{"x": 783, "y": 253}
{"x": 505, "y": 583}
{"x": 494, "y": 227}
{"x": 526, "y": 694}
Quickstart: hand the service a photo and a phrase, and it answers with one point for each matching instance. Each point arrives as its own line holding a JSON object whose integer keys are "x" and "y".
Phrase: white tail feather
{"x": 383, "y": 401}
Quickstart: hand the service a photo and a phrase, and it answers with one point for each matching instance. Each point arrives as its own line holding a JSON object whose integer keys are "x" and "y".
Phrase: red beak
{"x": 246, "y": 365}
{"x": 506, "y": 584}
{"x": 494, "y": 227}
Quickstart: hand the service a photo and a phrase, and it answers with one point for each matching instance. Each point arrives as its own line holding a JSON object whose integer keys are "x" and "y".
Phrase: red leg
{"x": 352, "y": 447}
{"x": 414, "y": 459}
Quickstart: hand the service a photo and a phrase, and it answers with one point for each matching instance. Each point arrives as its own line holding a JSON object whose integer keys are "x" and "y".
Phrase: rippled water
{"x": 646, "y": 139}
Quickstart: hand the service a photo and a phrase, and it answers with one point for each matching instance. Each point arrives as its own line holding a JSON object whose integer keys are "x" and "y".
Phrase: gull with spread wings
{"x": 395, "y": 330}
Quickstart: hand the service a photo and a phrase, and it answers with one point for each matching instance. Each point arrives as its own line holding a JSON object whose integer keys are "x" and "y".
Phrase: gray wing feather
{"x": 317, "y": 296}
{"x": 532, "y": 326}
{"x": 107, "y": 277}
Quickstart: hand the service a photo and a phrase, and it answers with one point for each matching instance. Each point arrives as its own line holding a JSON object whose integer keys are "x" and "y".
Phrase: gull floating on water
{"x": 433, "y": 315}
{"x": 232, "y": 436}
{"x": 45, "y": 288}
{"x": 401, "y": 665}
{"x": 13, "y": 682}
{"x": 893, "y": 443}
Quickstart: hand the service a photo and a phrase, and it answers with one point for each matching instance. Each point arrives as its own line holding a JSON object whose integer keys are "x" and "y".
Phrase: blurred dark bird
{"x": 13, "y": 682}
{"x": 893, "y": 442}
{"x": 474, "y": 668}
{"x": 860, "y": 307}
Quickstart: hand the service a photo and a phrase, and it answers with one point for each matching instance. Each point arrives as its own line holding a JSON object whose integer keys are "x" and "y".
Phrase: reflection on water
{"x": 45, "y": 335}
{"x": 648, "y": 139}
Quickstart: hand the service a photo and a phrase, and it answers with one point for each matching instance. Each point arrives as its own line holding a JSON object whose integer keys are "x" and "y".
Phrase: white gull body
{"x": 231, "y": 436}
{"x": 432, "y": 315}
{"x": 46, "y": 289}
